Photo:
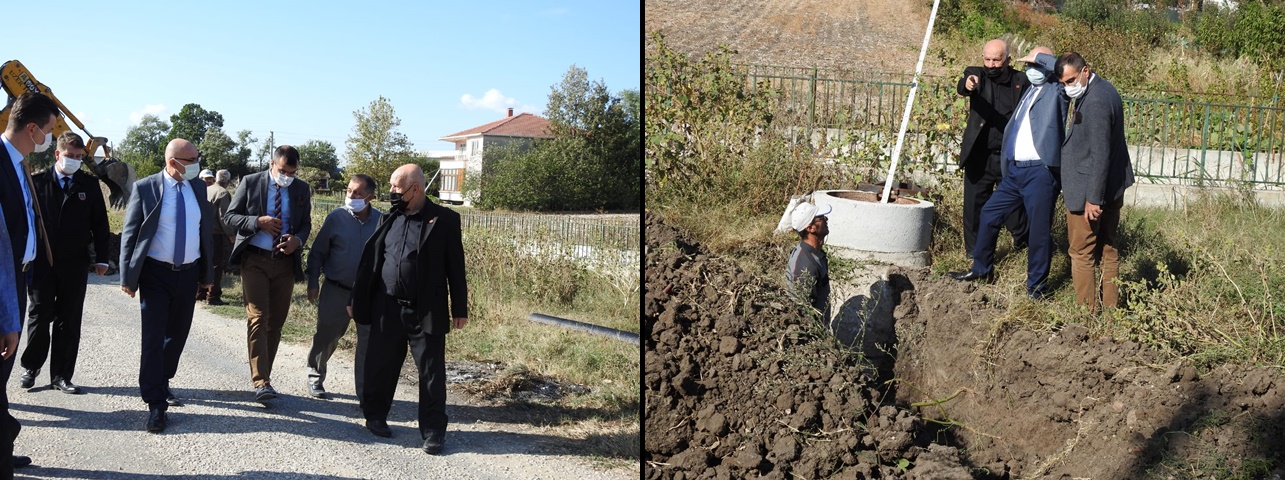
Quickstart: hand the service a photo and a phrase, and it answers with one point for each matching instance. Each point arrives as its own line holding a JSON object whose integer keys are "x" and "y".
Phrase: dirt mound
{"x": 740, "y": 382}
{"x": 1067, "y": 405}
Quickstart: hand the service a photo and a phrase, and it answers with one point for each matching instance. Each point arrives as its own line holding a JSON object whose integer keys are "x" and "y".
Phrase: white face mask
{"x": 191, "y": 171}
{"x": 283, "y": 181}
{"x": 68, "y": 165}
{"x": 355, "y": 204}
{"x": 1035, "y": 75}
{"x": 41, "y": 147}
{"x": 1076, "y": 91}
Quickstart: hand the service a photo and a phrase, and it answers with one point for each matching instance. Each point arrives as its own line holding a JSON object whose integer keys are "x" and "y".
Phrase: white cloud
{"x": 530, "y": 109}
{"x": 83, "y": 116}
{"x": 157, "y": 109}
{"x": 493, "y": 99}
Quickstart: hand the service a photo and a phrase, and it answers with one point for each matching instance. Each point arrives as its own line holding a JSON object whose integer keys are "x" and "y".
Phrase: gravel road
{"x": 222, "y": 433}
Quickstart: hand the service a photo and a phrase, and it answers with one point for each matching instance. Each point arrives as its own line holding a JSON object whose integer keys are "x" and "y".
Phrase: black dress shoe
{"x": 379, "y": 428}
{"x": 970, "y": 276}
{"x": 433, "y": 444}
{"x": 216, "y": 301}
{"x": 172, "y": 400}
{"x": 156, "y": 421}
{"x": 28, "y": 379}
{"x": 66, "y": 386}
{"x": 20, "y": 461}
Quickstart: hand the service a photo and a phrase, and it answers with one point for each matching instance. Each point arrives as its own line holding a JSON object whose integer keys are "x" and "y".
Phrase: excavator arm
{"x": 118, "y": 176}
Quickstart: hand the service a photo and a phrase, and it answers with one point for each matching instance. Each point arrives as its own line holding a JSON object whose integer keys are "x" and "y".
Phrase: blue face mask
{"x": 1035, "y": 75}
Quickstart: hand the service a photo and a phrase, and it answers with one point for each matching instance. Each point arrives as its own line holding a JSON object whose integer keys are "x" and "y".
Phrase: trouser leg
{"x": 1039, "y": 194}
{"x": 384, "y": 359}
{"x": 1007, "y": 197}
{"x": 254, "y": 287}
{"x": 179, "y": 323}
{"x": 1108, "y": 230}
{"x": 429, "y": 351}
{"x": 332, "y": 323}
{"x": 65, "y": 334}
{"x": 359, "y": 370}
{"x": 40, "y": 315}
{"x": 281, "y": 290}
{"x": 1083, "y": 240}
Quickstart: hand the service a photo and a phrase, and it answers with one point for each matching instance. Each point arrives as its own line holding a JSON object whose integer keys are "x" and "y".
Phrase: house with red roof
{"x": 469, "y": 145}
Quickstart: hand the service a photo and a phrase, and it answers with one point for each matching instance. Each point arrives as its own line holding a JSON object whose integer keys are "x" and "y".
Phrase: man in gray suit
{"x": 1098, "y": 171}
{"x": 1030, "y": 160}
{"x": 272, "y": 214}
{"x": 166, "y": 252}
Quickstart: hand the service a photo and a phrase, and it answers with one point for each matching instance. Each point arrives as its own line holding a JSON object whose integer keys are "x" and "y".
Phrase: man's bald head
{"x": 179, "y": 147}
{"x": 408, "y": 180}
{"x": 995, "y": 54}
{"x": 1045, "y": 50}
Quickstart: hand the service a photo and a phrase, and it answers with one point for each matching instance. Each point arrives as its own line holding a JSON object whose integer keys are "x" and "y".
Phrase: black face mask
{"x": 994, "y": 72}
{"x": 399, "y": 202}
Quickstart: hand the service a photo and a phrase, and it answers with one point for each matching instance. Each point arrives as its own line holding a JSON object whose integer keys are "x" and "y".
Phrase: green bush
{"x": 1254, "y": 30}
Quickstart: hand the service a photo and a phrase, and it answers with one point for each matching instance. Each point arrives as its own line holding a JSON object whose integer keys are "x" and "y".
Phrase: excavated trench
{"x": 739, "y": 382}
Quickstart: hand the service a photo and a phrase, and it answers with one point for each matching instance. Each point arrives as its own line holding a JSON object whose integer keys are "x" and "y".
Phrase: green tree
{"x": 375, "y": 147}
{"x": 244, "y": 150}
{"x": 192, "y": 121}
{"x": 144, "y": 145}
{"x": 320, "y": 155}
{"x": 218, "y": 151}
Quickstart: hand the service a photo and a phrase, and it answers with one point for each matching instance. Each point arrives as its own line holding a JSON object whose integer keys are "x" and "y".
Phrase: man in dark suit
{"x": 1030, "y": 163}
{"x": 273, "y": 217}
{"x": 31, "y": 123}
{"x": 166, "y": 253}
{"x": 409, "y": 268}
{"x": 74, "y": 212}
{"x": 1097, "y": 174}
{"x": 993, "y": 91}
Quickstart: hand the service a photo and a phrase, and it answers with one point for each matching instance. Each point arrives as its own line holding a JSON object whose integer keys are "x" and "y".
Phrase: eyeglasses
{"x": 187, "y": 160}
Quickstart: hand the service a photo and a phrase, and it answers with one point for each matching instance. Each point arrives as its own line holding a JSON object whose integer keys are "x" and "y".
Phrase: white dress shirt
{"x": 1024, "y": 145}
{"x": 162, "y": 245}
{"x": 17, "y": 157}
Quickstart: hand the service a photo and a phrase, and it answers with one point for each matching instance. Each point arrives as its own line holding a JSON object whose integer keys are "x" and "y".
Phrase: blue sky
{"x": 301, "y": 68}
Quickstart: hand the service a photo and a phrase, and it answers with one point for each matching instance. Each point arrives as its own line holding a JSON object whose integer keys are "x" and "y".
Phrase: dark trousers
{"x": 980, "y": 180}
{"x": 167, "y": 299}
{"x": 1030, "y": 187}
{"x": 54, "y": 319}
{"x": 390, "y": 335}
{"x": 222, "y": 249}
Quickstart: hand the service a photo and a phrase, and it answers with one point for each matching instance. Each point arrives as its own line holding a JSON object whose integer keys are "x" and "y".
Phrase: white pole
{"x": 910, "y": 101}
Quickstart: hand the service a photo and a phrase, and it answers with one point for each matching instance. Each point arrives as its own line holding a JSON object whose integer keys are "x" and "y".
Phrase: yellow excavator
{"x": 117, "y": 175}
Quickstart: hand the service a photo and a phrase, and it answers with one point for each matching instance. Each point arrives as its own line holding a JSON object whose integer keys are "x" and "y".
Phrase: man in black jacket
{"x": 409, "y": 269}
{"x": 993, "y": 91}
{"x": 74, "y": 212}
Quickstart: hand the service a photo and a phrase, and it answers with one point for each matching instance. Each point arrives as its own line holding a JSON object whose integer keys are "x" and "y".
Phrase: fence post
{"x": 812, "y": 97}
{"x": 1204, "y": 142}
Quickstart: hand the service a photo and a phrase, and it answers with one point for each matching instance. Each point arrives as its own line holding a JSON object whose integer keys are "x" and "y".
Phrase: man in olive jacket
{"x": 1095, "y": 173}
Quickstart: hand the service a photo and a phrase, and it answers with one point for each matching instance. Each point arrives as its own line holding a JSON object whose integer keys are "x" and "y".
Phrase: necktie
{"x": 180, "y": 228}
{"x": 66, "y": 184}
{"x": 35, "y": 205}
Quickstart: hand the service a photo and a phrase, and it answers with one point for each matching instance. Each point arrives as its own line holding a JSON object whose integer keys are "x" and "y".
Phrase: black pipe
{"x": 586, "y": 327}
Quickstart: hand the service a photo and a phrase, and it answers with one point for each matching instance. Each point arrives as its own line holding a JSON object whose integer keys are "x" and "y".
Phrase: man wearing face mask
{"x": 1031, "y": 163}
{"x": 1098, "y": 170}
{"x": 74, "y": 213}
{"x": 334, "y": 253}
{"x": 993, "y": 91}
{"x": 32, "y": 117}
{"x": 272, "y": 214}
{"x": 165, "y": 256}
{"x": 412, "y": 291}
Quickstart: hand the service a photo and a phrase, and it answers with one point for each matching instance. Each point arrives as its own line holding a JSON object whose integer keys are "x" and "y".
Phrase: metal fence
{"x": 1171, "y": 140}
{"x": 562, "y": 229}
